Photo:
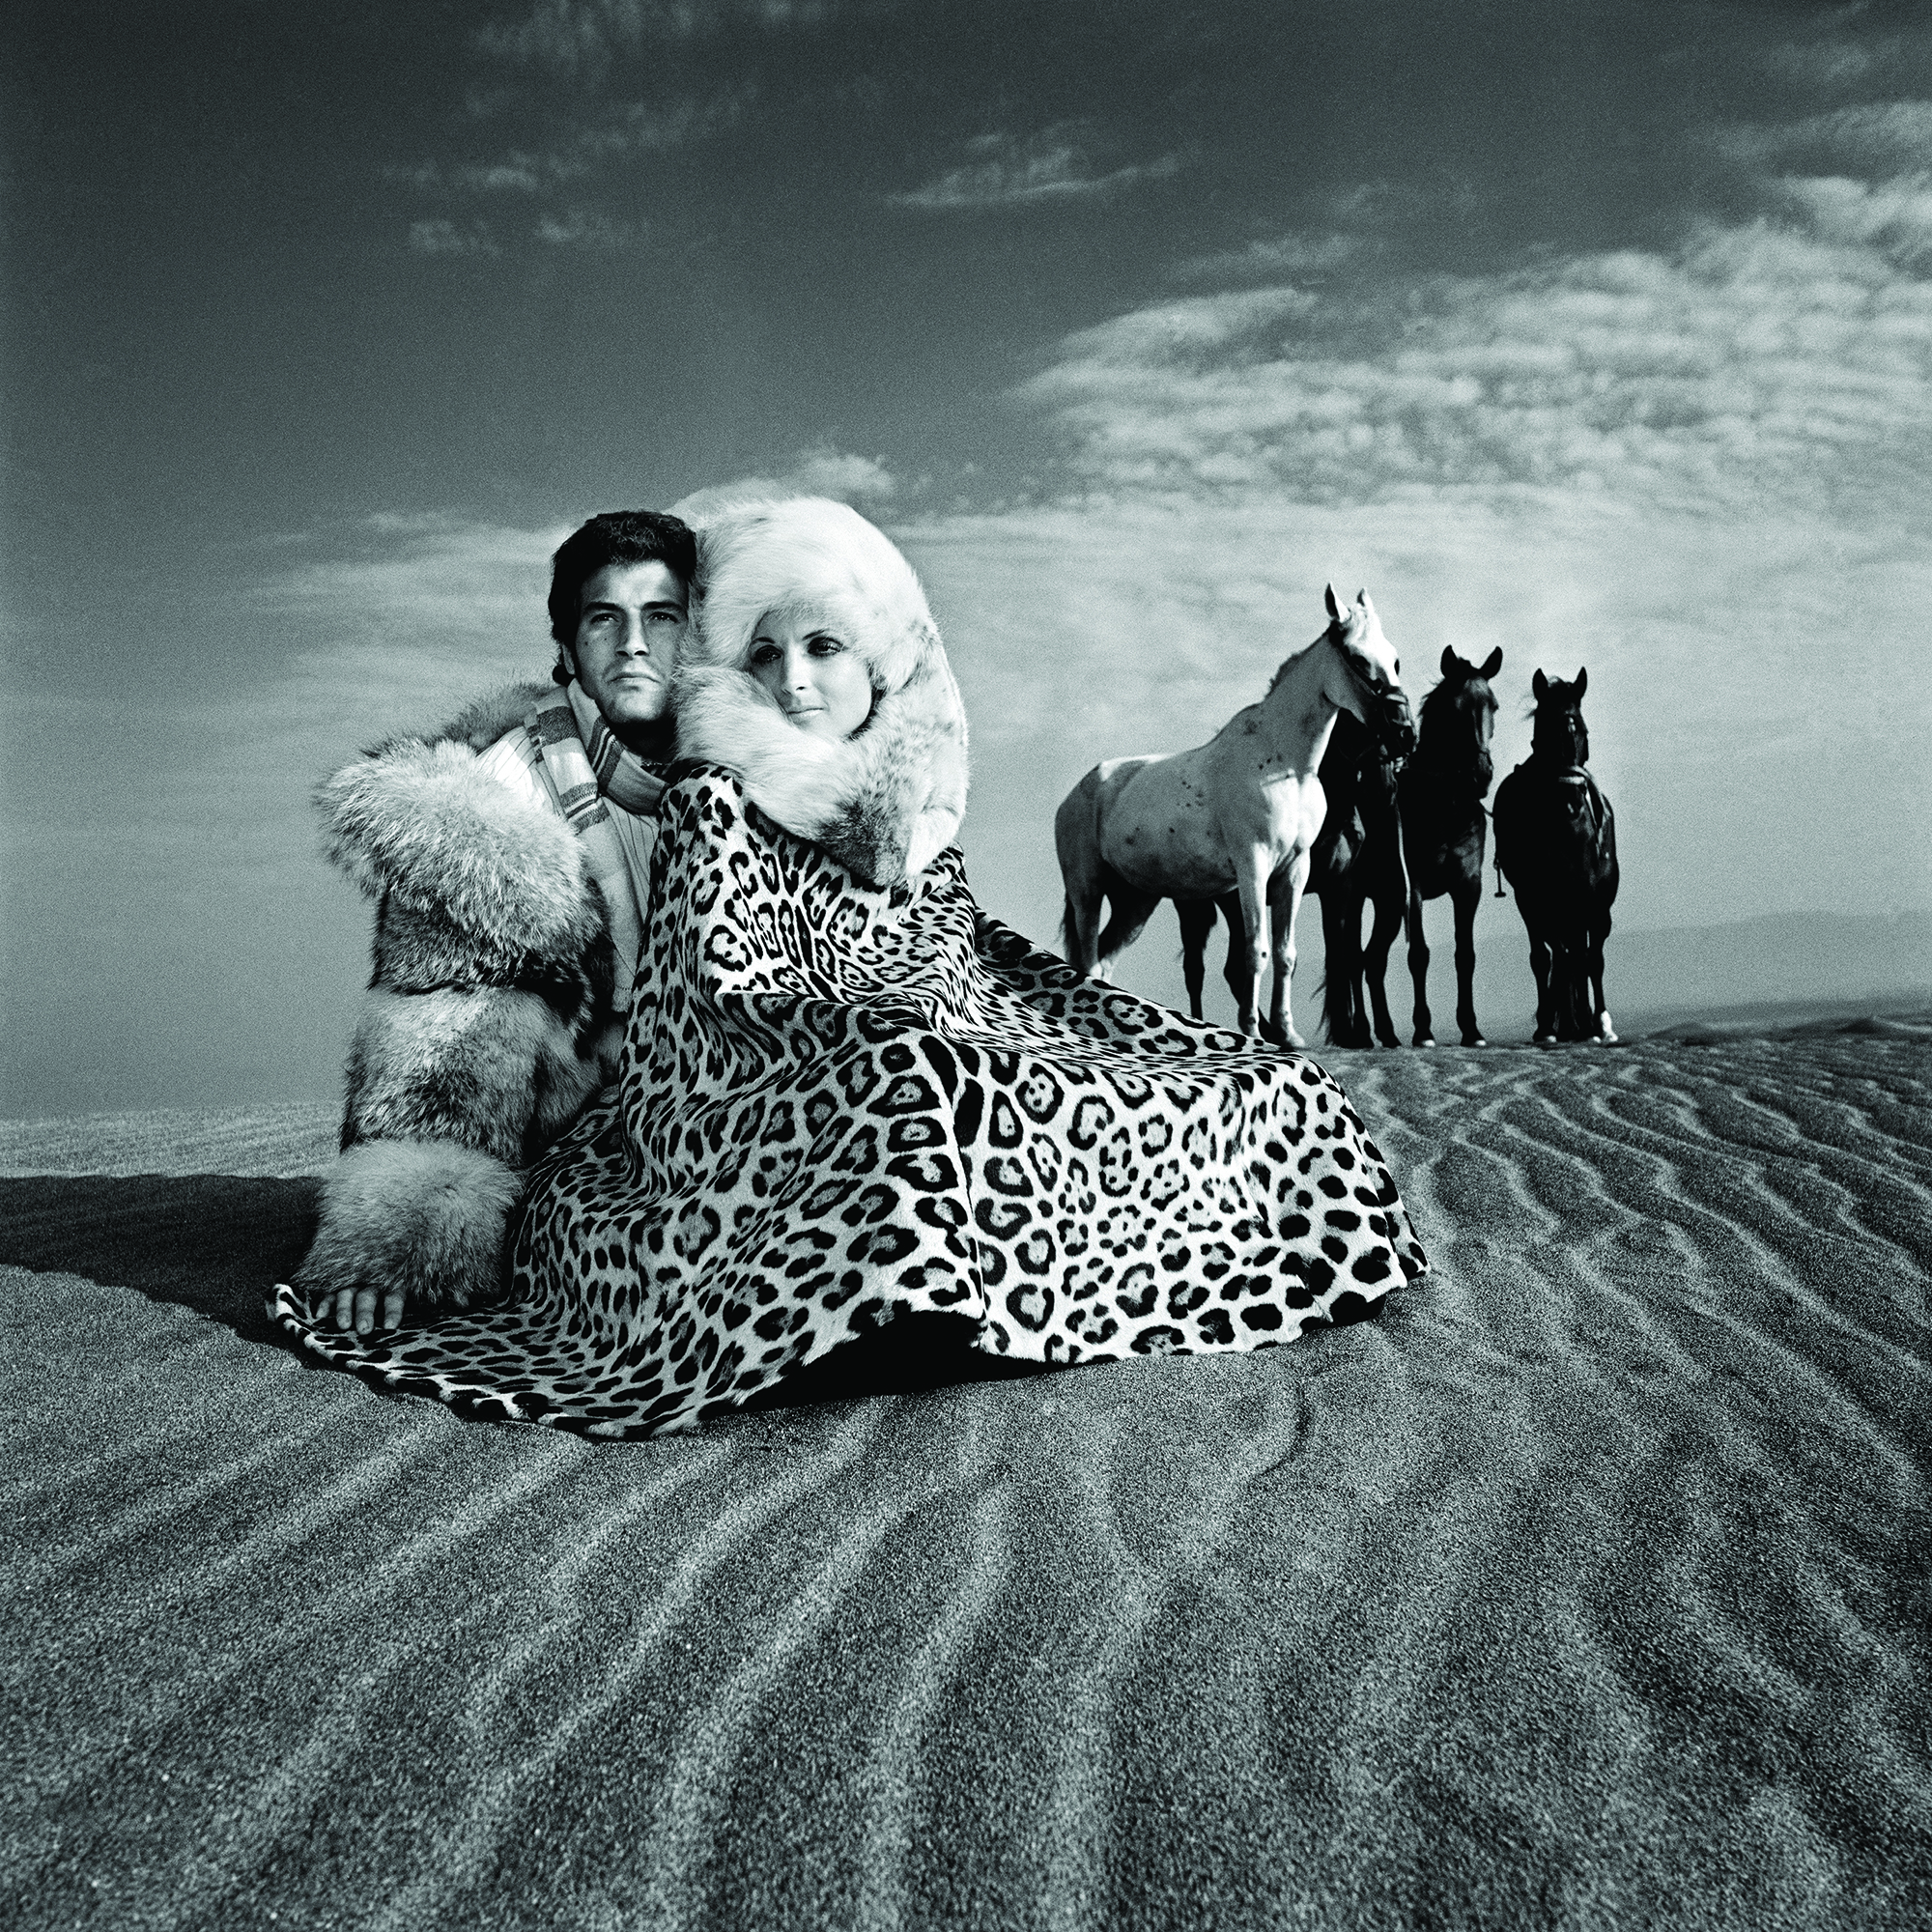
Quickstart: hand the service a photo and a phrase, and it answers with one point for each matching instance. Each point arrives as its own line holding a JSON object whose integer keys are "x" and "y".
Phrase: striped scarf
{"x": 588, "y": 771}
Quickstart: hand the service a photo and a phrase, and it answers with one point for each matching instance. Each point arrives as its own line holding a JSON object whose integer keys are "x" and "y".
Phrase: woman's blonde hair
{"x": 810, "y": 558}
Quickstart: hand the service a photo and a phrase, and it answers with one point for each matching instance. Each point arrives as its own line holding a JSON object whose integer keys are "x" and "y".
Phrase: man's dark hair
{"x": 614, "y": 536}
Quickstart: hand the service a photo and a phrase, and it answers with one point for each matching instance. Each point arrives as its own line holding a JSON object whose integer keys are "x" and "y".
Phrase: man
{"x": 509, "y": 857}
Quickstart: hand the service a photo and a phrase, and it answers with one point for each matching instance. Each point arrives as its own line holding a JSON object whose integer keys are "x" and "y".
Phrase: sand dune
{"x": 1588, "y": 1589}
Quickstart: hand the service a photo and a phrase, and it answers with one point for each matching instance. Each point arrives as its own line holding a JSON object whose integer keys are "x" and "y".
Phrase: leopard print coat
{"x": 846, "y": 1105}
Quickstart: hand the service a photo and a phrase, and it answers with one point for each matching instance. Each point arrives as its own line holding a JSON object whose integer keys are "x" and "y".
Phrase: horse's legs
{"x": 1540, "y": 965}
{"x": 1570, "y": 974}
{"x": 1600, "y": 930}
{"x": 1342, "y": 948}
{"x": 1465, "y": 902}
{"x": 1251, "y": 879}
{"x": 1197, "y": 921}
{"x": 1418, "y": 970}
{"x": 1280, "y": 913}
{"x": 1236, "y": 971}
{"x": 1376, "y": 961}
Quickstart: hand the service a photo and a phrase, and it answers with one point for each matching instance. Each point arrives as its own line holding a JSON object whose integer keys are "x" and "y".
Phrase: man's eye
{"x": 666, "y": 616}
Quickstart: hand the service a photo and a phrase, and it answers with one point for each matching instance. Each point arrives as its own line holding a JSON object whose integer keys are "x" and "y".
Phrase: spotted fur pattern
{"x": 842, "y": 1105}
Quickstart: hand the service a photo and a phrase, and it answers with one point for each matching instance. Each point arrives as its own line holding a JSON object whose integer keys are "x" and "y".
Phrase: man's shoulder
{"x": 478, "y": 726}
{"x": 484, "y": 721}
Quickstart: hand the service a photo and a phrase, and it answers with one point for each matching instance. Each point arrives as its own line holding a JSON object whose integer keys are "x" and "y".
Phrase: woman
{"x": 848, "y": 1096}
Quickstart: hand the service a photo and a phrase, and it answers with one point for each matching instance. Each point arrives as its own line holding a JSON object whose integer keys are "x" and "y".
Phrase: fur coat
{"x": 477, "y": 1040}
{"x": 885, "y": 800}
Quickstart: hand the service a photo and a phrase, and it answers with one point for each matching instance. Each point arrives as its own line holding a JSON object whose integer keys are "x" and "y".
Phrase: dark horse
{"x": 1356, "y": 860}
{"x": 1556, "y": 842}
{"x": 1440, "y": 795}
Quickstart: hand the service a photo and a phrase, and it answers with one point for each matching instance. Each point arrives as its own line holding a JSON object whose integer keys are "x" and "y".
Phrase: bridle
{"x": 1391, "y": 721}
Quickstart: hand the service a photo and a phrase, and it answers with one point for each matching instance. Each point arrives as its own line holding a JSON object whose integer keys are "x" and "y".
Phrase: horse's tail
{"x": 1118, "y": 931}
{"x": 1338, "y": 1023}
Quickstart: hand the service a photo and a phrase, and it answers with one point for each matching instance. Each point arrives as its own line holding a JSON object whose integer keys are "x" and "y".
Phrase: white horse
{"x": 1237, "y": 814}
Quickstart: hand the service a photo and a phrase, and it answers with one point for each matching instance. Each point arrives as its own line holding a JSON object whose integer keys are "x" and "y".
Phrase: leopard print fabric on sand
{"x": 842, "y": 1105}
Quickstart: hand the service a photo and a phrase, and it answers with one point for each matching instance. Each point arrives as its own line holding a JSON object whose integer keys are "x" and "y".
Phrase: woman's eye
{"x": 825, "y": 647}
{"x": 763, "y": 654}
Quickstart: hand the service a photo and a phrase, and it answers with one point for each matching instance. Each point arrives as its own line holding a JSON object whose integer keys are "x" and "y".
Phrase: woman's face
{"x": 820, "y": 685}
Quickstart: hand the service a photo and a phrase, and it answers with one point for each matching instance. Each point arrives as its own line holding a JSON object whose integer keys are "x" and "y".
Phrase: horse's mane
{"x": 1441, "y": 699}
{"x": 1281, "y": 670}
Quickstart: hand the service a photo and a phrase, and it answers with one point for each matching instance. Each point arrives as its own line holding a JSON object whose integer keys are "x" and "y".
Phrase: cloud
{"x": 657, "y": 127}
{"x": 1886, "y": 134}
{"x": 575, "y": 36}
{"x": 1752, "y": 363}
{"x": 863, "y": 481}
{"x": 999, "y": 171}
{"x": 1831, "y": 64}
{"x": 1893, "y": 216}
{"x": 586, "y": 228}
{"x": 516, "y": 174}
{"x": 613, "y": 135}
{"x": 436, "y": 237}
{"x": 1266, "y": 259}
{"x": 410, "y": 615}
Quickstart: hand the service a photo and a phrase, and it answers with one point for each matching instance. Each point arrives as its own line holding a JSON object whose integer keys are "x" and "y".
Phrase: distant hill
{"x": 1779, "y": 958}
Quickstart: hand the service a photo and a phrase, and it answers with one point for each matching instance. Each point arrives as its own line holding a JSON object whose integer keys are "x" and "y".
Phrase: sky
{"x": 1600, "y": 333}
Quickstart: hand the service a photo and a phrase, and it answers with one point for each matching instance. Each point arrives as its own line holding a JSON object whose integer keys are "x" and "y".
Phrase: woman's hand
{"x": 356, "y": 1308}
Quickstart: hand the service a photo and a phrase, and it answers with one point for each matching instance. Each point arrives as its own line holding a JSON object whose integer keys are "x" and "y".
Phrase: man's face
{"x": 630, "y": 629}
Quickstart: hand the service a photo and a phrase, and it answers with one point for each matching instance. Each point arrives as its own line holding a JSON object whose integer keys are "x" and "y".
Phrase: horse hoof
{"x": 1543, "y": 1039}
{"x": 1474, "y": 1040}
{"x": 1425, "y": 1040}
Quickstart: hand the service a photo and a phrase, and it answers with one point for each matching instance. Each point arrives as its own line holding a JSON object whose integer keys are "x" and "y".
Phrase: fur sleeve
{"x": 424, "y": 823}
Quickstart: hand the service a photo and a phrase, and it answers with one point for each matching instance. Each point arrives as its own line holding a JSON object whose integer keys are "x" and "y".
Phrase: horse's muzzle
{"x": 1394, "y": 723}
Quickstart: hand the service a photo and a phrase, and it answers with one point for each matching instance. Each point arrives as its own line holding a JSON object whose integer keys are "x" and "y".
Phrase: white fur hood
{"x": 885, "y": 800}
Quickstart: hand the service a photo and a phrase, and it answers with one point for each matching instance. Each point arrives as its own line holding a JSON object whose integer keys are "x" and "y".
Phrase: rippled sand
{"x": 1588, "y": 1589}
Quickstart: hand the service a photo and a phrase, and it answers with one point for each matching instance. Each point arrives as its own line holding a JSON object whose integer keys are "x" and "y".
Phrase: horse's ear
{"x": 1491, "y": 664}
{"x": 1582, "y": 683}
{"x": 1362, "y": 598}
{"x": 1334, "y": 603}
{"x": 1538, "y": 686}
{"x": 1448, "y": 662}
